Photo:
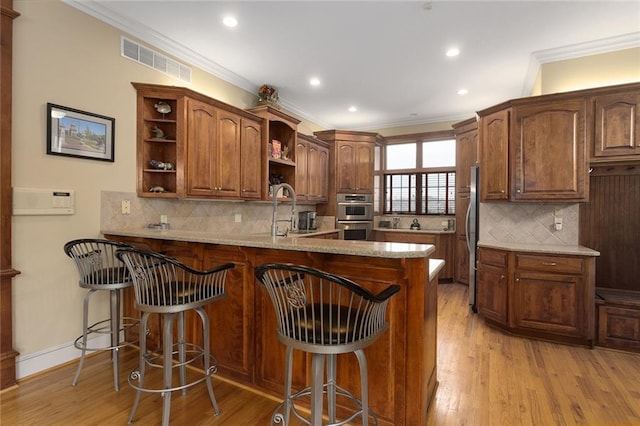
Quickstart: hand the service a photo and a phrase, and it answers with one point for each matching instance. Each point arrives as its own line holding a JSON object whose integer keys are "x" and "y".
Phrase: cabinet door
{"x": 549, "y": 302}
{"x": 302, "y": 170}
{"x": 227, "y": 163}
{"x": 494, "y": 156}
{"x": 466, "y": 148}
{"x": 617, "y": 125}
{"x": 318, "y": 172}
{"x": 232, "y": 329}
{"x": 549, "y": 152}
{"x": 354, "y": 170}
{"x": 201, "y": 149}
{"x": 251, "y": 161}
{"x": 492, "y": 292}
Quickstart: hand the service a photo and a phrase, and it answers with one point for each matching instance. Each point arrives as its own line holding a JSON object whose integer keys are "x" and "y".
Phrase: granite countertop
{"x": 420, "y": 231}
{"x": 435, "y": 265}
{"x": 543, "y": 248}
{"x": 297, "y": 242}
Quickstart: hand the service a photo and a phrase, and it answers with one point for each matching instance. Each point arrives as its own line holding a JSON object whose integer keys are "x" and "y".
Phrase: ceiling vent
{"x": 152, "y": 59}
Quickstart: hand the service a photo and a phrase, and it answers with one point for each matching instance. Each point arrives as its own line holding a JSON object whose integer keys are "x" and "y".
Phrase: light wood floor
{"x": 485, "y": 378}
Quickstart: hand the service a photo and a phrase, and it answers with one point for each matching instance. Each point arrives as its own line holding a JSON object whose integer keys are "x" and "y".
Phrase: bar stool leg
{"x": 167, "y": 351}
{"x": 115, "y": 336}
{"x": 331, "y": 387}
{"x": 141, "y": 363}
{"x": 287, "y": 383}
{"x": 364, "y": 384}
{"x": 181, "y": 352}
{"x": 317, "y": 382}
{"x": 206, "y": 344}
{"x": 85, "y": 325}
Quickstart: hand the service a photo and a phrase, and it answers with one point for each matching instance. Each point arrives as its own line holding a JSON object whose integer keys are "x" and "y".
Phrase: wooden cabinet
{"x": 616, "y": 129}
{"x": 209, "y": 149}
{"x": 251, "y": 159}
{"x": 494, "y": 155}
{"x": 444, "y": 244}
{"x": 160, "y": 142}
{"x": 549, "y": 151}
{"x": 466, "y": 156}
{"x": 282, "y": 128}
{"x": 312, "y": 169}
{"x": 492, "y": 291}
{"x": 354, "y": 169}
{"x": 534, "y": 150}
{"x": 619, "y": 319}
{"x": 549, "y": 296}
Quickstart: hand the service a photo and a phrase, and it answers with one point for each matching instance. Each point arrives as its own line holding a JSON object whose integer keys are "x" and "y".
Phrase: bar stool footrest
{"x": 103, "y": 327}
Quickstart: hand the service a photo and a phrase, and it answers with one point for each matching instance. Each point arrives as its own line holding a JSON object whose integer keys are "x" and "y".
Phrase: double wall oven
{"x": 354, "y": 216}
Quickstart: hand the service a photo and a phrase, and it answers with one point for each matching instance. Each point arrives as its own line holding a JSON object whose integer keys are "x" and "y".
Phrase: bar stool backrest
{"x": 315, "y": 309}
{"x": 164, "y": 285}
{"x": 98, "y": 267}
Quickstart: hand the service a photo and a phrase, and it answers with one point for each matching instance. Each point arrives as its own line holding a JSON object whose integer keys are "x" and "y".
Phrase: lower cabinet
{"x": 618, "y": 319}
{"x": 549, "y": 296}
{"x": 444, "y": 246}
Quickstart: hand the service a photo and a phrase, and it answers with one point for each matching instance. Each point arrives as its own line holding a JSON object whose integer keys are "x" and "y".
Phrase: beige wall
{"x": 66, "y": 57}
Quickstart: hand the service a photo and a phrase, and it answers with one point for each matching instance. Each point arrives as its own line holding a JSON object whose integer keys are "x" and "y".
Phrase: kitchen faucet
{"x": 274, "y": 222}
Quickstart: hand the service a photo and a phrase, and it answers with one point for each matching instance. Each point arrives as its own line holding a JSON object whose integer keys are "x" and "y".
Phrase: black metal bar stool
{"x": 325, "y": 315}
{"x": 164, "y": 286}
{"x": 99, "y": 269}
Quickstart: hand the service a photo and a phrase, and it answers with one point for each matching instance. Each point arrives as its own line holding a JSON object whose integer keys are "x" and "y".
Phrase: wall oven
{"x": 354, "y": 216}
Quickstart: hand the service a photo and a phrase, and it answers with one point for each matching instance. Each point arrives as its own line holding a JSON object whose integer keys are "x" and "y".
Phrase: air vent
{"x": 152, "y": 59}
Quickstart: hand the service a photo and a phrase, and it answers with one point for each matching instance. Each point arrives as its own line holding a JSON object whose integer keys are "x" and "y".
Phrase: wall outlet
{"x": 238, "y": 218}
{"x": 125, "y": 207}
{"x": 164, "y": 218}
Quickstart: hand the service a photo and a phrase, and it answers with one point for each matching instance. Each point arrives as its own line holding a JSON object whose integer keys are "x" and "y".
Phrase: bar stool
{"x": 325, "y": 315}
{"x": 164, "y": 286}
{"x": 99, "y": 269}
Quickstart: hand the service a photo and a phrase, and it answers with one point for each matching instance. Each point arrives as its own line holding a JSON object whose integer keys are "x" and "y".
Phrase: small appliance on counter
{"x": 307, "y": 221}
{"x": 415, "y": 225}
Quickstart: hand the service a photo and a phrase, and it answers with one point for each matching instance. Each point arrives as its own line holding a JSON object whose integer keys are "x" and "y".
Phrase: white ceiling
{"x": 385, "y": 57}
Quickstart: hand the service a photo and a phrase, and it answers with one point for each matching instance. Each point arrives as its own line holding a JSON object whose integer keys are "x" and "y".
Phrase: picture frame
{"x": 75, "y": 133}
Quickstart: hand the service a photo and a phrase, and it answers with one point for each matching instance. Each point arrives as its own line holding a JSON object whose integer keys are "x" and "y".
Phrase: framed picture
{"x": 75, "y": 133}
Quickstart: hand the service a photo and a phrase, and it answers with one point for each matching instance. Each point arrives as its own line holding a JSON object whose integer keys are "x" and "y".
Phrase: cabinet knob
{"x": 518, "y": 191}
{"x": 501, "y": 277}
{"x": 517, "y": 280}
{"x": 502, "y": 191}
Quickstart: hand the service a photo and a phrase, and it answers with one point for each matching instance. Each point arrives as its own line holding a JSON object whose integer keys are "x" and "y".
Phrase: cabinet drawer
{"x": 566, "y": 265}
{"x": 492, "y": 257}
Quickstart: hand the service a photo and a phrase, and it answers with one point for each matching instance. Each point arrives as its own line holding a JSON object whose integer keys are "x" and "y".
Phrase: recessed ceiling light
{"x": 230, "y": 21}
{"x": 454, "y": 51}
{"x": 352, "y": 109}
{"x": 462, "y": 92}
{"x": 314, "y": 81}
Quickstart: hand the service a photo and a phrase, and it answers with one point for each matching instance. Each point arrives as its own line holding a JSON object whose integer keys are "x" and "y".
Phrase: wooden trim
{"x": 7, "y": 353}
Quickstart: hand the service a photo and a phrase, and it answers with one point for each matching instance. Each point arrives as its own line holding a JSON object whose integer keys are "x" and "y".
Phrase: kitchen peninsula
{"x": 402, "y": 363}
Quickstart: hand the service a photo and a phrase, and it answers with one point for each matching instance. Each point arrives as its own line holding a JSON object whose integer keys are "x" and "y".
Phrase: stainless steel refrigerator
{"x": 471, "y": 224}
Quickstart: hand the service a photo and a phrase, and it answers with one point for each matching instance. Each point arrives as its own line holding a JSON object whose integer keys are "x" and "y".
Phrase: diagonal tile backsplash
{"x": 529, "y": 223}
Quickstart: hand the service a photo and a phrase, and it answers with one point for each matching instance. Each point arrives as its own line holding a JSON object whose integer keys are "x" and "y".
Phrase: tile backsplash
{"x": 530, "y": 223}
{"x": 195, "y": 215}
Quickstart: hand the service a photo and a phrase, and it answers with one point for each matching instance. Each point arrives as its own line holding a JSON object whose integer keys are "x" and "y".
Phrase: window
{"x": 418, "y": 175}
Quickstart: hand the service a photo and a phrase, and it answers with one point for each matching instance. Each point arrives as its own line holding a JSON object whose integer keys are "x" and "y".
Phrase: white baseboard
{"x": 36, "y": 362}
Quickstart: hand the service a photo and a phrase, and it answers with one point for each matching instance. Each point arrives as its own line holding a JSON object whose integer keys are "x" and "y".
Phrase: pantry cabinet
{"x": 466, "y": 156}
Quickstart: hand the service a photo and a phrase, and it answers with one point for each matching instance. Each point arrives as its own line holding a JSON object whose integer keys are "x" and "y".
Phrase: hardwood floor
{"x": 485, "y": 378}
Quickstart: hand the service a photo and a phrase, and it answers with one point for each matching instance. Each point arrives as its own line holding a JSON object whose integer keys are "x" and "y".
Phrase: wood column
{"x": 7, "y": 353}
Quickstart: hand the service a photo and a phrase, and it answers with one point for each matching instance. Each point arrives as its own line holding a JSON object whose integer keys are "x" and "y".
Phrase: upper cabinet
{"x": 540, "y": 148}
{"x": 312, "y": 169}
{"x": 616, "y": 132}
{"x": 201, "y": 148}
{"x": 548, "y": 143}
{"x": 466, "y": 152}
{"x": 279, "y": 141}
{"x": 534, "y": 150}
{"x": 160, "y": 141}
